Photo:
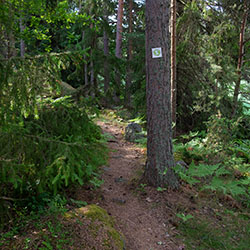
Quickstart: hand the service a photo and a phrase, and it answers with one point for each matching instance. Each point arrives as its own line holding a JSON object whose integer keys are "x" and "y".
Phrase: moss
{"x": 100, "y": 221}
{"x": 116, "y": 237}
{"x": 178, "y": 156}
{"x": 94, "y": 213}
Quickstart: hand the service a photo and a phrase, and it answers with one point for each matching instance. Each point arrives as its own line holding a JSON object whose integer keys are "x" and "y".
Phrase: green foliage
{"x": 60, "y": 148}
{"x": 141, "y": 187}
{"x": 240, "y": 148}
{"x": 184, "y": 217}
{"x": 160, "y": 189}
{"x": 218, "y": 160}
{"x": 52, "y": 233}
{"x": 220, "y": 177}
{"x": 25, "y": 82}
{"x": 202, "y": 234}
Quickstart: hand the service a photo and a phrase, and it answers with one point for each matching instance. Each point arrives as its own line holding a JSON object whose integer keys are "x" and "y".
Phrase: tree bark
{"x": 240, "y": 58}
{"x": 173, "y": 64}
{"x": 130, "y": 55}
{"x": 118, "y": 48}
{"x": 92, "y": 77}
{"x": 92, "y": 71}
{"x": 106, "y": 63}
{"x": 22, "y": 43}
{"x": 118, "y": 45}
{"x": 160, "y": 161}
{"x": 86, "y": 82}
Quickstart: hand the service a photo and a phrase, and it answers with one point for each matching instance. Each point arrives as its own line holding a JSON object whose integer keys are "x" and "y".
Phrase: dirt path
{"x": 140, "y": 217}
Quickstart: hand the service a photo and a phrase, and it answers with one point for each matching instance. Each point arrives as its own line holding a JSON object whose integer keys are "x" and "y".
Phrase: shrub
{"x": 60, "y": 148}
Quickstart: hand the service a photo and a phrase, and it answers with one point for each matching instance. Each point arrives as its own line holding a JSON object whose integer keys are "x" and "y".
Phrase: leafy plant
{"x": 62, "y": 147}
{"x": 204, "y": 234}
{"x": 214, "y": 177}
{"x": 160, "y": 189}
{"x": 141, "y": 187}
{"x": 52, "y": 233}
{"x": 184, "y": 217}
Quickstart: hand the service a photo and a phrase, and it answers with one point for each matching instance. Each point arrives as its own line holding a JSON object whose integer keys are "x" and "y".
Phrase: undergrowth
{"x": 46, "y": 154}
{"x": 40, "y": 229}
{"x": 217, "y": 162}
{"x": 230, "y": 232}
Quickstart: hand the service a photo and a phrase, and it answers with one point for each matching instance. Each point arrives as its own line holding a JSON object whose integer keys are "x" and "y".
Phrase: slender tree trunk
{"x": 10, "y": 37}
{"x": 106, "y": 63}
{"x": 92, "y": 73}
{"x": 85, "y": 69}
{"x": 118, "y": 47}
{"x": 92, "y": 77}
{"x": 22, "y": 43}
{"x": 130, "y": 55}
{"x": 160, "y": 159}
{"x": 86, "y": 80}
{"x": 173, "y": 64}
{"x": 11, "y": 51}
{"x": 240, "y": 58}
{"x": 80, "y": 5}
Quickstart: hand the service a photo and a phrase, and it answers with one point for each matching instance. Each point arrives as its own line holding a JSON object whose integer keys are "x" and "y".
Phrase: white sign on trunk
{"x": 156, "y": 52}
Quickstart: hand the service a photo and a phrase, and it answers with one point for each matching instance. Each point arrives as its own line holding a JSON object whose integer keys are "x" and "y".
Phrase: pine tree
{"x": 160, "y": 161}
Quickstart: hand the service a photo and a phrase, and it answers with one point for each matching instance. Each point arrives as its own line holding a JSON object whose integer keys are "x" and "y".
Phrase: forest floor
{"x": 147, "y": 216}
{"x": 137, "y": 209}
{"x": 144, "y": 215}
{"x": 140, "y": 216}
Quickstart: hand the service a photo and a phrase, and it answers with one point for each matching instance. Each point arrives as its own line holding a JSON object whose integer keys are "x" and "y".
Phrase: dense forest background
{"x": 77, "y": 41}
{"x": 62, "y": 62}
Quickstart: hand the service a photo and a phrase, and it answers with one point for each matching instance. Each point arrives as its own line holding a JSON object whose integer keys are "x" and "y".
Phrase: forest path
{"x": 139, "y": 215}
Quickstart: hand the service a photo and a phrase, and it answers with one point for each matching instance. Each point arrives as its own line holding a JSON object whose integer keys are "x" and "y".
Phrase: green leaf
{"x": 56, "y": 179}
{"x": 222, "y": 171}
{"x": 202, "y": 170}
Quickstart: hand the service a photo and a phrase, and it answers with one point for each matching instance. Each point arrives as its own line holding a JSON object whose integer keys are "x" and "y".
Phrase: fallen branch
{"x": 11, "y": 199}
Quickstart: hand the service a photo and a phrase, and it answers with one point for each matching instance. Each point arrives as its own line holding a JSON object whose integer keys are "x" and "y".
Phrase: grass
{"x": 224, "y": 231}
{"x": 44, "y": 230}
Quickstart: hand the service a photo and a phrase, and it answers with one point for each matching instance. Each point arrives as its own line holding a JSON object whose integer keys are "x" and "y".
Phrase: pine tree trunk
{"x": 92, "y": 70}
{"x": 11, "y": 50}
{"x": 22, "y": 43}
{"x": 118, "y": 48}
{"x": 85, "y": 69}
{"x": 160, "y": 159}
{"x": 10, "y": 36}
{"x": 92, "y": 77}
{"x": 173, "y": 64}
{"x": 130, "y": 55}
{"x": 106, "y": 63}
{"x": 240, "y": 58}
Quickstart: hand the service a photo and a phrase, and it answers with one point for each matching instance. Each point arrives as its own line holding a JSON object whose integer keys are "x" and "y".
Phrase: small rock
{"x": 113, "y": 141}
{"x": 106, "y": 168}
{"x": 149, "y": 199}
{"x": 119, "y": 201}
{"x": 116, "y": 156}
{"x": 133, "y": 132}
{"x": 120, "y": 179}
{"x": 182, "y": 247}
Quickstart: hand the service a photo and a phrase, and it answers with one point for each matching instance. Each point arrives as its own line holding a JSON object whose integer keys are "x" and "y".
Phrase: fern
{"x": 214, "y": 178}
